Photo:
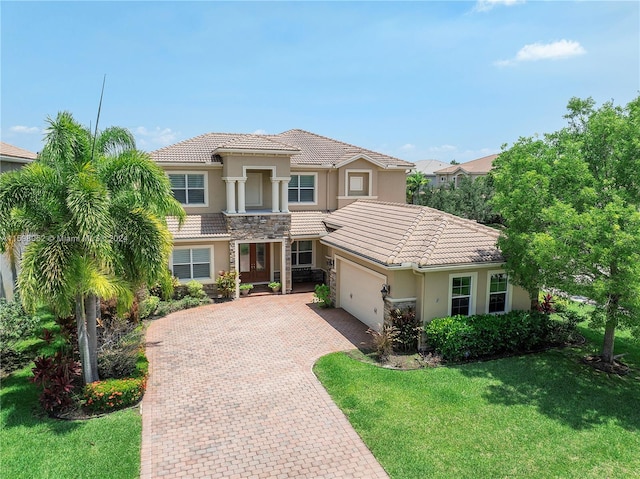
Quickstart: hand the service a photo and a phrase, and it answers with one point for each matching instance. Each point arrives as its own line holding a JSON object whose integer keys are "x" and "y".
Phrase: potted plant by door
{"x": 275, "y": 286}
{"x": 245, "y": 288}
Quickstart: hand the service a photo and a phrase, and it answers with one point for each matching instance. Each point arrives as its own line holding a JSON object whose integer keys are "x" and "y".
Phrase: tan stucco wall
{"x": 392, "y": 186}
{"x": 234, "y": 165}
{"x": 216, "y": 192}
{"x": 436, "y": 297}
{"x": 220, "y": 251}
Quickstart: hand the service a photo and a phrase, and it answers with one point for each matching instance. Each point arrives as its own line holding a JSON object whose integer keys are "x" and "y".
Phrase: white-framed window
{"x": 498, "y": 292}
{"x": 189, "y": 188}
{"x": 191, "y": 263}
{"x": 462, "y": 293}
{"x": 302, "y": 188}
{"x": 358, "y": 183}
{"x": 302, "y": 253}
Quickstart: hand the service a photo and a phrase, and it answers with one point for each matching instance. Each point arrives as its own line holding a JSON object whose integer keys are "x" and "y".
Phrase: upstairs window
{"x": 302, "y": 253}
{"x": 188, "y": 188}
{"x": 358, "y": 183}
{"x": 302, "y": 189}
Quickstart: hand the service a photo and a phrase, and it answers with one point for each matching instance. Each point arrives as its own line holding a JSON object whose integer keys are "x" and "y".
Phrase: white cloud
{"x": 156, "y": 137}
{"x": 24, "y": 129}
{"x": 486, "y": 5}
{"x": 408, "y": 147}
{"x": 260, "y": 132}
{"x": 545, "y": 51}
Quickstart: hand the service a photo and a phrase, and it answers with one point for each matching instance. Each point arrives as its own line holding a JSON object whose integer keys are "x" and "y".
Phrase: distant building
{"x": 11, "y": 158}
{"x": 472, "y": 169}
{"x": 428, "y": 168}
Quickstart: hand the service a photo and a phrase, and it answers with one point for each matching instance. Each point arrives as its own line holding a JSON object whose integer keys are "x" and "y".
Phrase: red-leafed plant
{"x": 546, "y": 306}
{"x": 57, "y": 375}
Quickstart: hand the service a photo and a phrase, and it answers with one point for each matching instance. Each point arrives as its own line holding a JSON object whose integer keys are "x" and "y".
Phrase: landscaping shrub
{"x": 467, "y": 337}
{"x": 148, "y": 306}
{"x": 408, "y": 328}
{"x": 322, "y": 295}
{"x": 118, "y": 352}
{"x": 58, "y": 376}
{"x": 15, "y": 324}
{"x": 195, "y": 289}
{"x": 226, "y": 283}
{"x": 113, "y": 394}
{"x": 383, "y": 341}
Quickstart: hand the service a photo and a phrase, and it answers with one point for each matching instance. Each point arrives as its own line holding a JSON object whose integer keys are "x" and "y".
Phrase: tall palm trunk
{"x": 91, "y": 308}
{"x": 89, "y": 374}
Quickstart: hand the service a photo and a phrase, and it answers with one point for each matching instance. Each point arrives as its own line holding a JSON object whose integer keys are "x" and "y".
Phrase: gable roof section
{"x": 395, "y": 234}
{"x": 16, "y": 152}
{"x": 210, "y": 225}
{"x": 321, "y": 150}
{"x": 307, "y": 149}
{"x": 428, "y": 167}
{"x": 480, "y": 166}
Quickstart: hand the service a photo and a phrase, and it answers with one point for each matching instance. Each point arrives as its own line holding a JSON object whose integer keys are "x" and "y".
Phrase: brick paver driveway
{"x": 231, "y": 393}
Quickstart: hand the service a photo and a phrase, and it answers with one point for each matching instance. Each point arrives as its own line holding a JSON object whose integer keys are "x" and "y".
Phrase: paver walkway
{"x": 231, "y": 393}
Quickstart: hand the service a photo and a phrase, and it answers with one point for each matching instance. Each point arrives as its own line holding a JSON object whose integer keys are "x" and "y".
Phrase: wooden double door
{"x": 254, "y": 262}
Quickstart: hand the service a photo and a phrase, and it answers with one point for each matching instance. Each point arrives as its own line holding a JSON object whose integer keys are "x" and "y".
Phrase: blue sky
{"x": 417, "y": 80}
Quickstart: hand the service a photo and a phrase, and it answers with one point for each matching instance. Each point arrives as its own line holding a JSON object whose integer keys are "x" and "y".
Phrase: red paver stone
{"x": 231, "y": 393}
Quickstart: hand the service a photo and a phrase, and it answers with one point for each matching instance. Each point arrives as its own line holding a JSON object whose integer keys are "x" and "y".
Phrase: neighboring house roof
{"x": 210, "y": 225}
{"x": 306, "y": 149}
{"x": 395, "y": 234}
{"x": 481, "y": 166}
{"x": 308, "y": 223}
{"x": 428, "y": 167}
{"x": 18, "y": 153}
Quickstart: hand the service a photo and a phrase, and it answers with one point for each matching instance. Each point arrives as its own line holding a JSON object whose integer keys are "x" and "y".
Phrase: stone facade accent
{"x": 390, "y": 305}
{"x": 333, "y": 281}
{"x": 256, "y": 228}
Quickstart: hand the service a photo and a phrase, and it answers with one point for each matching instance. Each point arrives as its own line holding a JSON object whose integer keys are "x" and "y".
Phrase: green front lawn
{"x": 533, "y": 416}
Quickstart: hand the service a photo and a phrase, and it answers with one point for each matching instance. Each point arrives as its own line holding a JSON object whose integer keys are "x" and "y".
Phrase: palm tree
{"x": 415, "y": 182}
{"x": 93, "y": 209}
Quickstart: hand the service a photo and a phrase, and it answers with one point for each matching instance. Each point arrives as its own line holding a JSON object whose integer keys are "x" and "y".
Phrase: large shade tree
{"x": 571, "y": 204}
{"x": 93, "y": 210}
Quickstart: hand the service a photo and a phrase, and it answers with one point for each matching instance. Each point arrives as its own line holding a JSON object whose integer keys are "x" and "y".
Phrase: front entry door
{"x": 254, "y": 262}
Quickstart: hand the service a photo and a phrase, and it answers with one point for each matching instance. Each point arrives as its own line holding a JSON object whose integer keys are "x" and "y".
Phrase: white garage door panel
{"x": 360, "y": 294}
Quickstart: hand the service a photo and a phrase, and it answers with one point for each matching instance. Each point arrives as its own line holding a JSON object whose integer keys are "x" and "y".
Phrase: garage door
{"x": 359, "y": 290}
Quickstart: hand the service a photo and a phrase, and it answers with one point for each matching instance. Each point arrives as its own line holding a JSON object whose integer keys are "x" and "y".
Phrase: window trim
{"x": 509, "y": 292}
{"x": 347, "y": 172}
{"x": 206, "y": 186}
{"x": 297, "y": 253}
{"x": 209, "y": 279}
{"x": 315, "y": 187}
{"x": 473, "y": 290}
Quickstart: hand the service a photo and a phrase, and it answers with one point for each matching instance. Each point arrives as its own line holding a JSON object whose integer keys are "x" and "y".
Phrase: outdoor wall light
{"x": 386, "y": 289}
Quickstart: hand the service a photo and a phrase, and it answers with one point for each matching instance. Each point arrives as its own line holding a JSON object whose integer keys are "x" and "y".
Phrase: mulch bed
{"x": 617, "y": 367}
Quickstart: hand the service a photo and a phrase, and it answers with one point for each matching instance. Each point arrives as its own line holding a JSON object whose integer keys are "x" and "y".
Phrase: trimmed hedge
{"x": 113, "y": 394}
{"x": 468, "y": 337}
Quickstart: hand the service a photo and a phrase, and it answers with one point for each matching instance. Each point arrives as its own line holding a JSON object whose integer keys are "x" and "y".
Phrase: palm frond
{"x": 114, "y": 141}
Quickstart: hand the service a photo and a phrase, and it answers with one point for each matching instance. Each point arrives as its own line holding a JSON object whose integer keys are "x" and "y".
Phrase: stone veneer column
{"x": 275, "y": 196}
{"x": 284, "y": 186}
{"x": 241, "y": 196}
{"x": 231, "y": 196}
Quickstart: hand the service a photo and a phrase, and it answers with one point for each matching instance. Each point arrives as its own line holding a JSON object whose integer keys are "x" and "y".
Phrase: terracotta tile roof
{"x": 308, "y": 148}
{"x": 16, "y": 152}
{"x": 255, "y": 142}
{"x": 211, "y": 225}
{"x": 308, "y": 223}
{"x": 480, "y": 166}
{"x": 320, "y": 150}
{"x": 396, "y": 234}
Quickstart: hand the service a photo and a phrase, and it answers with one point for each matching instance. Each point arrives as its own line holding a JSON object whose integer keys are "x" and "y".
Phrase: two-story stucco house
{"x": 11, "y": 158}
{"x": 298, "y": 206}
{"x": 471, "y": 169}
